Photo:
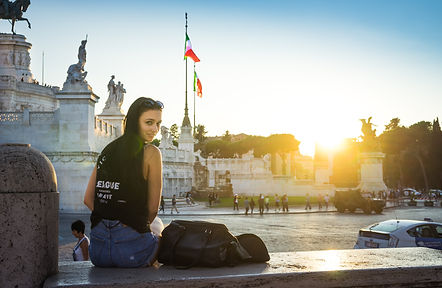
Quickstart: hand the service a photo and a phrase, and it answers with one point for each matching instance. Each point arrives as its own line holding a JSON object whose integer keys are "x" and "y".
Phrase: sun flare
{"x": 330, "y": 143}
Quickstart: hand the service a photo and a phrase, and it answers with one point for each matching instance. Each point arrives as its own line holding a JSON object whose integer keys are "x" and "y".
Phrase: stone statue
{"x": 367, "y": 129}
{"x": 116, "y": 95}
{"x": 14, "y": 11}
{"x": 164, "y": 137}
{"x": 112, "y": 98}
{"x": 119, "y": 91}
{"x": 76, "y": 74}
{"x": 370, "y": 142}
{"x": 82, "y": 53}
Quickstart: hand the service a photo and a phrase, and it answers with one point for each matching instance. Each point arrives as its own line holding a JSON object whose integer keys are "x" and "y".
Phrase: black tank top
{"x": 120, "y": 190}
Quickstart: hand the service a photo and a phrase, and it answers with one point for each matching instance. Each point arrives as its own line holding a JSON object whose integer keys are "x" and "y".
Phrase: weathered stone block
{"x": 28, "y": 217}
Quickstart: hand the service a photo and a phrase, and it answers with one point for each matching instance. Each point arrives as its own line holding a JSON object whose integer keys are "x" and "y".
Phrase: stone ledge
{"x": 399, "y": 267}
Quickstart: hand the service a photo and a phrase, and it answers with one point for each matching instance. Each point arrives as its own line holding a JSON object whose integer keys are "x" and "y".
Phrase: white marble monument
{"x": 371, "y": 161}
{"x": 60, "y": 123}
{"x": 371, "y": 172}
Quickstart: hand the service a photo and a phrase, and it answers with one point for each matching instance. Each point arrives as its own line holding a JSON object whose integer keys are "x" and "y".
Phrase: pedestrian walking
{"x": 252, "y": 205}
{"x": 174, "y": 205}
{"x": 209, "y": 198}
{"x": 307, "y": 202}
{"x": 162, "y": 204}
{"x": 285, "y": 203}
{"x": 236, "y": 202}
{"x": 326, "y": 199}
{"x": 267, "y": 202}
{"x": 246, "y": 205}
{"x": 277, "y": 202}
{"x": 261, "y": 204}
{"x": 320, "y": 201}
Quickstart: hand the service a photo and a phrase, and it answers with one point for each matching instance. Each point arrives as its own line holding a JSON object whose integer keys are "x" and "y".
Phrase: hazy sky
{"x": 309, "y": 68}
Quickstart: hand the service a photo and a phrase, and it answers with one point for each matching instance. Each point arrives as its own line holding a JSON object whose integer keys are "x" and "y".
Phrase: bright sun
{"x": 330, "y": 142}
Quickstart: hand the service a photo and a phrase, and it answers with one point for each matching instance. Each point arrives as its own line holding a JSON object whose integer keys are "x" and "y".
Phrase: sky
{"x": 308, "y": 68}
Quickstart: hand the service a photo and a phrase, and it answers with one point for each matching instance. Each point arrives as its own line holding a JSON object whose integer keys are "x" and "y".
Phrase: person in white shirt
{"x": 81, "y": 249}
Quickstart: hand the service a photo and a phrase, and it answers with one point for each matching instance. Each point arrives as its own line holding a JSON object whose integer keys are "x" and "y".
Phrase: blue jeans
{"x": 113, "y": 244}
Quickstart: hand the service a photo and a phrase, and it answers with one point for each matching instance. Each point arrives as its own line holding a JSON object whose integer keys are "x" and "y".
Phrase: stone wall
{"x": 253, "y": 176}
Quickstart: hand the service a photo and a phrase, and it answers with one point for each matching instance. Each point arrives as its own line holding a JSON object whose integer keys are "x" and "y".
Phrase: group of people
{"x": 263, "y": 203}
{"x": 173, "y": 207}
{"x": 213, "y": 198}
{"x": 322, "y": 200}
{"x": 280, "y": 202}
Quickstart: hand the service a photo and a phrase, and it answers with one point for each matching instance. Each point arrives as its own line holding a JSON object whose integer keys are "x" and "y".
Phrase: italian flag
{"x": 197, "y": 85}
{"x": 188, "y": 52}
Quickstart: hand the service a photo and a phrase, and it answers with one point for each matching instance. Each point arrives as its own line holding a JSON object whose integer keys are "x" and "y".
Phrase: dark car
{"x": 352, "y": 199}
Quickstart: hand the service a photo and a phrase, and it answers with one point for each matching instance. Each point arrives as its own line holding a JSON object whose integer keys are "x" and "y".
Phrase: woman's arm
{"x": 85, "y": 249}
{"x": 153, "y": 171}
{"x": 90, "y": 190}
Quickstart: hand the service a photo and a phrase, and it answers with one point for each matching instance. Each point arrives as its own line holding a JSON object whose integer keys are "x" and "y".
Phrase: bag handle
{"x": 195, "y": 261}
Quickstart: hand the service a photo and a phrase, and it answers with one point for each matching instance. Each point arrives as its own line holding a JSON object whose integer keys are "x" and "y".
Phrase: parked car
{"x": 352, "y": 199}
{"x": 410, "y": 192}
{"x": 435, "y": 193}
{"x": 401, "y": 233}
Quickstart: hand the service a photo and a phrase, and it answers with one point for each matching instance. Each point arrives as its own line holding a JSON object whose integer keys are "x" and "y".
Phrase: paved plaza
{"x": 298, "y": 231}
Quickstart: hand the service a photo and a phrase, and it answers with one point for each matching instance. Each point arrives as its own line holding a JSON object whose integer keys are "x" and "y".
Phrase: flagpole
{"x": 186, "y": 109}
{"x": 194, "y": 107}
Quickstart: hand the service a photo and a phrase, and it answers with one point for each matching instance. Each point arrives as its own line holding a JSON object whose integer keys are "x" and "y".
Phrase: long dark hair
{"x": 133, "y": 141}
{"x": 127, "y": 150}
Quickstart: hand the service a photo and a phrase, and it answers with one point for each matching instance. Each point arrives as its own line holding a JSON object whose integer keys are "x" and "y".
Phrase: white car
{"x": 411, "y": 192}
{"x": 401, "y": 233}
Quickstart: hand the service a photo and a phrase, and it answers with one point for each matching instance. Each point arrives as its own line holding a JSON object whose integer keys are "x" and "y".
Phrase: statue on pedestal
{"x": 120, "y": 94}
{"x": 116, "y": 95}
{"x": 82, "y": 53}
{"x": 166, "y": 138}
{"x": 14, "y": 11}
{"x": 370, "y": 143}
{"x": 76, "y": 74}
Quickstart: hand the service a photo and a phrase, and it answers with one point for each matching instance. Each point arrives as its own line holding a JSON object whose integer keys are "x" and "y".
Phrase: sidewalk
{"x": 202, "y": 209}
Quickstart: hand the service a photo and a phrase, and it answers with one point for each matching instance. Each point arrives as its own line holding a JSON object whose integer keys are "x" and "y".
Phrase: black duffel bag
{"x": 185, "y": 244}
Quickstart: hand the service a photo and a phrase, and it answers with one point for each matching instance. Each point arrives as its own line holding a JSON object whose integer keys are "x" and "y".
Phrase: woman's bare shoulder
{"x": 151, "y": 151}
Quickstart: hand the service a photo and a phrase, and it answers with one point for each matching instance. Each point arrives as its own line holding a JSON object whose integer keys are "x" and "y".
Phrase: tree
{"x": 175, "y": 134}
{"x": 227, "y": 137}
{"x": 156, "y": 142}
{"x": 200, "y": 134}
{"x": 435, "y": 156}
{"x": 407, "y": 154}
{"x": 394, "y": 123}
{"x": 225, "y": 148}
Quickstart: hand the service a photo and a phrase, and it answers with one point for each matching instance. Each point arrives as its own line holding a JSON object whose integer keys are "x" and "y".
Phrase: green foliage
{"x": 200, "y": 134}
{"x": 175, "y": 134}
{"x": 435, "y": 154}
{"x": 225, "y": 148}
{"x": 413, "y": 154}
{"x": 227, "y": 137}
{"x": 156, "y": 142}
{"x": 394, "y": 123}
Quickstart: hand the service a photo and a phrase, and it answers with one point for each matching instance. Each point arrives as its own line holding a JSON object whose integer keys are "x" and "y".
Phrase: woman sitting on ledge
{"x": 124, "y": 192}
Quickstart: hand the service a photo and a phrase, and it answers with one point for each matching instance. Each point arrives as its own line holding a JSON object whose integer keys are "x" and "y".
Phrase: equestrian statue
{"x": 13, "y": 11}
